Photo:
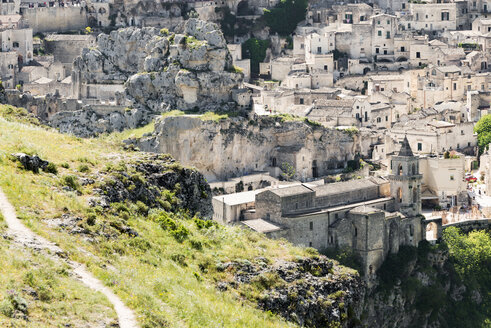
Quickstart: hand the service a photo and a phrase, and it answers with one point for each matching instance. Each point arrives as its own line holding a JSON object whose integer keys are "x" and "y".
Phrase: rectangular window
{"x": 455, "y": 86}
{"x": 319, "y": 50}
{"x": 403, "y": 6}
{"x": 452, "y": 177}
{"x": 379, "y": 33}
{"x": 311, "y": 225}
{"x": 301, "y": 101}
{"x": 301, "y": 46}
{"x": 388, "y": 22}
{"x": 403, "y": 49}
{"x": 418, "y": 54}
{"x": 325, "y": 67}
{"x": 387, "y": 35}
{"x": 420, "y": 146}
{"x": 377, "y": 50}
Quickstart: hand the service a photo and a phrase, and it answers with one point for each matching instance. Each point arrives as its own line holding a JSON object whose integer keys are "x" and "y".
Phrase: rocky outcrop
{"x": 91, "y": 121}
{"x": 221, "y": 149}
{"x": 187, "y": 69}
{"x": 313, "y": 292}
{"x": 156, "y": 181}
{"x": 31, "y": 163}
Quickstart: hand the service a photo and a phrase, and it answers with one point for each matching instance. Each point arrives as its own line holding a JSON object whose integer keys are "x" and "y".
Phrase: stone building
{"x": 373, "y": 216}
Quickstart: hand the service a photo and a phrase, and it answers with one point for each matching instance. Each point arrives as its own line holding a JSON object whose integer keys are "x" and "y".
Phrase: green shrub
{"x": 65, "y": 165}
{"x": 71, "y": 181}
{"x": 51, "y": 168}
{"x": 83, "y": 168}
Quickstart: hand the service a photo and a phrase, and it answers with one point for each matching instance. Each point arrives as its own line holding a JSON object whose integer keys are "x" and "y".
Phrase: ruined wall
{"x": 55, "y": 19}
{"x": 236, "y": 146}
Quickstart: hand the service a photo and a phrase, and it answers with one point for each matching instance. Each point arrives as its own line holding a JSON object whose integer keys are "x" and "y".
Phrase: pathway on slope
{"x": 23, "y": 235}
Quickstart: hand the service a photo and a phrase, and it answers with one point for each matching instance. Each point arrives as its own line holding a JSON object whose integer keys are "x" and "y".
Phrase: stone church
{"x": 373, "y": 216}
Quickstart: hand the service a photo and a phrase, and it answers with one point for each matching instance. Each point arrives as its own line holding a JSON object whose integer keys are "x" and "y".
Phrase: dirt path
{"x": 23, "y": 235}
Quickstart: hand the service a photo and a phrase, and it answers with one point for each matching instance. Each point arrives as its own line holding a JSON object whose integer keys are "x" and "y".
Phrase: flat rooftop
{"x": 261, "y": 225}
{"x": 239, "y": 198}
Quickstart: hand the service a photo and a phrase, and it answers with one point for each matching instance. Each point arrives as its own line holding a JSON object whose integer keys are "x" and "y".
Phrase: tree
{"x": 288, "y": 171}
{"x": 483, "y": 130}
{"x": 283, "y": 19}
{"x": 255, "y": 50}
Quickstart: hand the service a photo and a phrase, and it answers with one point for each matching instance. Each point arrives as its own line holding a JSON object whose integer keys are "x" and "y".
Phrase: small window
{"x": 403, "y": 49}
{"x": 325, "y": 67}
{"x": 310, "y": 244}
{"x": 388, "y": 22}
{"x": 452, "y": 177}
{"x": 418, "y": 54}
{"x": 356, "y": 231}
{"x": 379, "y": 33}
{"x": 311, "y": 225}
{"x": 420, "y": 146}
{"x": 301, "y": 101}
{"x": 387, "y": 36}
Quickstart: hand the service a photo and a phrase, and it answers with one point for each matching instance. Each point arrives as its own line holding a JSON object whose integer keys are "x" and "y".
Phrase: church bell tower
{"x": 405, "y": 181}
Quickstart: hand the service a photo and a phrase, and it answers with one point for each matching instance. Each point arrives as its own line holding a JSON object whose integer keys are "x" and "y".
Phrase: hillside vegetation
{"x": 136, "y": 221}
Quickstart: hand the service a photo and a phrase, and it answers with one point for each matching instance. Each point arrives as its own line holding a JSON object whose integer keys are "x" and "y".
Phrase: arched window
{"x": 415, "y": 194}
{"x": 399, "y": 195}
{"x": 414, "y": 169}
{"x": 399, "y": 169}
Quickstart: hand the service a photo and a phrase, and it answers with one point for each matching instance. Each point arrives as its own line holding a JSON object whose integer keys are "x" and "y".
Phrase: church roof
{"x": 405, "y": 149}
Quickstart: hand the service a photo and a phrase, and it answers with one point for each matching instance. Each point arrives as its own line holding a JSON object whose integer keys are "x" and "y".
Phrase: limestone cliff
{"x": 236, "y": 146}
{"x": 187, "y": 69}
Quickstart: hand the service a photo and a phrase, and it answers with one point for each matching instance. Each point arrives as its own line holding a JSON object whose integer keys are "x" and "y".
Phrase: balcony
{"x": 384, "y": 58}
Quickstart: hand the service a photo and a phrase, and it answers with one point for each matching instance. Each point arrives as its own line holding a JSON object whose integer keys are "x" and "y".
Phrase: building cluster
{"x": 373, "y": 216}
{"x": 407, "y": 80}
{"x": 390, "y": 70}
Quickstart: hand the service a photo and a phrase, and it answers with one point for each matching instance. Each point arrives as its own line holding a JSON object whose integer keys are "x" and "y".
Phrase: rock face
{"x": 237, "y": 146}
{"x": 187, "y": 69}
{"x": 313, "y": 292}
{"x": 31, "y": 163}
{"x": 89, "y": 122}
{"x": 150, "y": 178}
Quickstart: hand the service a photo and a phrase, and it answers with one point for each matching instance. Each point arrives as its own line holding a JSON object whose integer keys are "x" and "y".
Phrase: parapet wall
{"x": 55, "y": 19}
{"x": 469, "y": 225}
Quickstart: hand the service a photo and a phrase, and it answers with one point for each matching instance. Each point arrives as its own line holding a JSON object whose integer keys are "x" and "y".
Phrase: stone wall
{"x": 55, "y": 19}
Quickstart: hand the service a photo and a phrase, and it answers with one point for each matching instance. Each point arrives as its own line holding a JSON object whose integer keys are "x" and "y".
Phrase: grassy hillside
{"x": 41, "y": 290}
{"x": 168, "y": 273}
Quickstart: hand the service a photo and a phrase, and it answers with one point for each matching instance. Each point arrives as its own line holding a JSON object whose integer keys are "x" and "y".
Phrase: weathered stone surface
{"x": 149, "y": 176}
{"x": 237, "y": 146}
{"x": 31, "y": 163}
{"x": 313, "y": 292}
{"x": 188, "y": 69}
{"x": 89, "y": 122}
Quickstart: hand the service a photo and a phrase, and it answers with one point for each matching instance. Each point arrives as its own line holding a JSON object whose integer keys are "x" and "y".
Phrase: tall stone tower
{"x": 405, "y": 181}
